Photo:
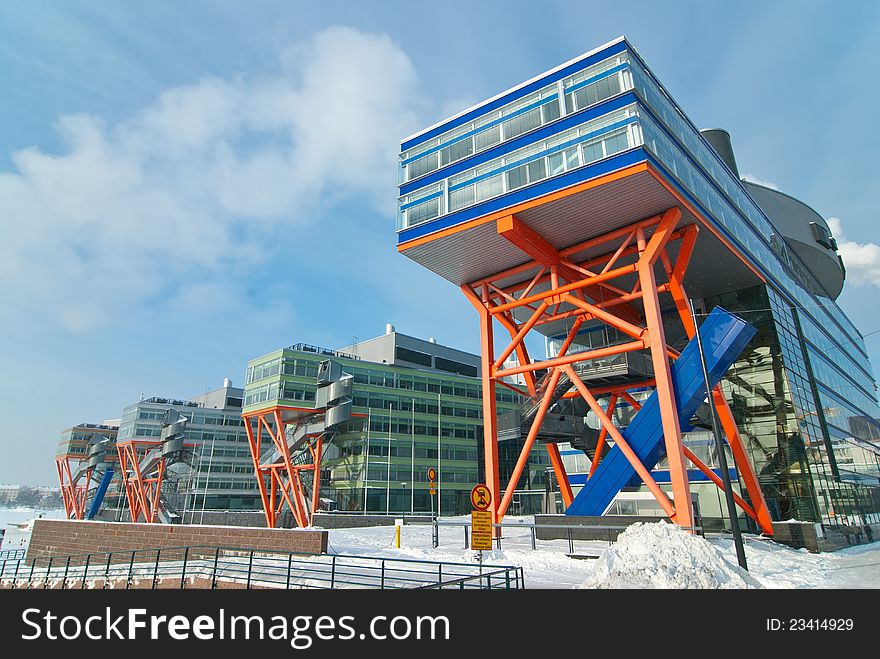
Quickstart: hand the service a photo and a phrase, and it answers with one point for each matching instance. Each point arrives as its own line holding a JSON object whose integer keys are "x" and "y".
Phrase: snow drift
{"x": 661, "y": 555}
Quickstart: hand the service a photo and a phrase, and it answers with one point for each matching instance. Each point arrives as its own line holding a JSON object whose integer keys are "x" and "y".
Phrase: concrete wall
{"x": 607, "y": 527}
{"x": 53, "y": 537}
{"x": 815, "y": 538}
{"x": 330, "y": 521}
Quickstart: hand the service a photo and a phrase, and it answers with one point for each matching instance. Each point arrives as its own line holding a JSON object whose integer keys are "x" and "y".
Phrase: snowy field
{"x": 10, "y": 518}
{"x": 645, "y": 556}
{"x": 642, "y": 558}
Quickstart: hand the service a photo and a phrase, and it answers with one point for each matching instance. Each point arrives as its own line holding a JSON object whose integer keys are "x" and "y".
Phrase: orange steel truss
{"x": 282, "y": 482}
{"x": 620, "y": 288}
{"x": 73, "y": 493}
{"x": 141, "y": 492}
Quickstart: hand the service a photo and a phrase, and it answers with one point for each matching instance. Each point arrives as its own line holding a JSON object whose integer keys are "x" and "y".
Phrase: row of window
{"x": 387, "y": 403}
{"x": 592, "y": 141}
{"x": 458, "y": 431}
{"x": 581, "y": 90}
{"x": 304, "y": 368}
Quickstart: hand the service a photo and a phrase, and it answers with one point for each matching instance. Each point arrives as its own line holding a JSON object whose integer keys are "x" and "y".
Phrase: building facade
{"x": 79, "y": 446}
{"x": 593, "y": 147}
{"x": 406, "y": 389}
{"x": 218, "y": 474}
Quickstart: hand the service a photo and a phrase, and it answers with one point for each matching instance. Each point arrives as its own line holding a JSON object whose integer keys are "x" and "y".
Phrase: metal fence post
{"x": 250, "y": 568}
{"x": 85, "y": 571}
{"x": 333, "y": 572}
{"x": 107, "y": 570}
{"x": 66, "y": 570}
{"x": 382, "y": 584}
{"x": 534, "y": 539}
{"x": 464, "y": 526}
{"x": 31, "y": 576}
{"x": 130, "y": 568}
{"x": 570, "y": 542}
{"x": 156, "y": 570}
{"x": 214, "y": 573}
{"x": 48, "y": 570}
{"x": 289, "y": 563}
{"x": 436, "y": 534}
{"x": 15, "y": 576}
{"x": 183, "y": 569}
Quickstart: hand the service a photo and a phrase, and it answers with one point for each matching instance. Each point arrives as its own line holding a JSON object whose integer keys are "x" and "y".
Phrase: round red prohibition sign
{"x": 432, "y": 474}
{"x": 481, "y": 497}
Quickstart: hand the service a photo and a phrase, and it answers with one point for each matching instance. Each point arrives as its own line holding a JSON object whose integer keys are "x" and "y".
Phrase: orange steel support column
{"x": 254, "y": 442}
{"x": 490, "y": 419}
{"x": 662, "y": 373}
{"x": 141, "y": 493}
{"x": 559, "y": 468}
{"x": 759, "y": 510}
{"x": 530, "y": 440}
{"x": 603, "y": 435}
{"x": 552, "y": 287}
{"x": 282, "y": 482}
{"x": 73, "y": 494}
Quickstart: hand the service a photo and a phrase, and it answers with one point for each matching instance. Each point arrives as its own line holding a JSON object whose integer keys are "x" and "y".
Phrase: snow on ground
{"x": 17, "y": 537}
{"x": 663, "y": 556}
{"x": 645, "y": 556}
{"x": 671, "y": 562}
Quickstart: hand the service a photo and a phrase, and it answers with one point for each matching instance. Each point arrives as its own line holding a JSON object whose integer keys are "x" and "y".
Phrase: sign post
{"x": 432, "y": 487}
{"x": 481, "y": 520}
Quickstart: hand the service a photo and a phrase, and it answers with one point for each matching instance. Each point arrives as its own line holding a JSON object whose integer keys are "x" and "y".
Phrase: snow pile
{"x": 661, "y": 555}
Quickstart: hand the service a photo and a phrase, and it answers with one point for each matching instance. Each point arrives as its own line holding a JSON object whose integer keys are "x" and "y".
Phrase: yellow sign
{"x": 481, "y": 529}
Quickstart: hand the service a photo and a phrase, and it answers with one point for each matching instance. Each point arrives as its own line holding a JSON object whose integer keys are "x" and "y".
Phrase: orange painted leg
{"x": 603, "y": 435}
{"x": 663, "y": 375}
{"x": 561, "y": 476}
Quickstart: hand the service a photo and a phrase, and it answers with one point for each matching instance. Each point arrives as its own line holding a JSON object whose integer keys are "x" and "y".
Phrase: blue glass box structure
{"x": 599, "y": 139}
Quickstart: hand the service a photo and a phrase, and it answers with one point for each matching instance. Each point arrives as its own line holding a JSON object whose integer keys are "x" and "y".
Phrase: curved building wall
{"x": 806, "y": 232}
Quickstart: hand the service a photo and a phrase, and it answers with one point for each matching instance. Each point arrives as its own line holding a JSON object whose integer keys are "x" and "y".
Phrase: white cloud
{"x": 862, "y": 260}
{"x": 186, "y": 190}
{"x": 754, "y": 179}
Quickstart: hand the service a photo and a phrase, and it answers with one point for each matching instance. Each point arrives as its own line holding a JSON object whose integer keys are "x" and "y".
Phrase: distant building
{"x": 406, "y": 387}
{"x": 217, "y": 472}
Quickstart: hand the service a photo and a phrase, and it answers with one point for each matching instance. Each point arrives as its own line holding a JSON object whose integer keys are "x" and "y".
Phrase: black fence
{"x": 229, "y": 567}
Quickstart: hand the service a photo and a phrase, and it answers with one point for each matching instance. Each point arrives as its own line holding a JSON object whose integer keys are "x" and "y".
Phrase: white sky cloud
{"x": 862, "y": 260}
{"x": 182, "y": 190}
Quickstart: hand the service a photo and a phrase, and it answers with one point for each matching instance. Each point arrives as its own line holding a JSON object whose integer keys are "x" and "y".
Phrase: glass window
{"x": 517, "y": 177}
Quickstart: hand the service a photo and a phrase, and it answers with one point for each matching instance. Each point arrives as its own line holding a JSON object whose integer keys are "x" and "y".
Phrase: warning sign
{"x": 481, "y": 530}
{"x": 481, "y": 497}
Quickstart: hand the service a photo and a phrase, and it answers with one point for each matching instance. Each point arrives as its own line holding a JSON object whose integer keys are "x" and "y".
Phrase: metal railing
{"x": 230, "y": 567}
{"x": 568, "y": 532}
{"x": 12, "y": 554}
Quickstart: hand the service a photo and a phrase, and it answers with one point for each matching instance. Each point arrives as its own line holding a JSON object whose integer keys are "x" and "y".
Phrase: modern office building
{"x": 404, "y": 389}
{"x": 214, "y": 470}
{"x": 586, "y": 205}
{"x": 85, "y": 452}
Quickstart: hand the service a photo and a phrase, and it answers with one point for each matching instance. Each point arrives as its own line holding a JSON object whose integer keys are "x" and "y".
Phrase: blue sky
{"x": 185, "y": 186}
